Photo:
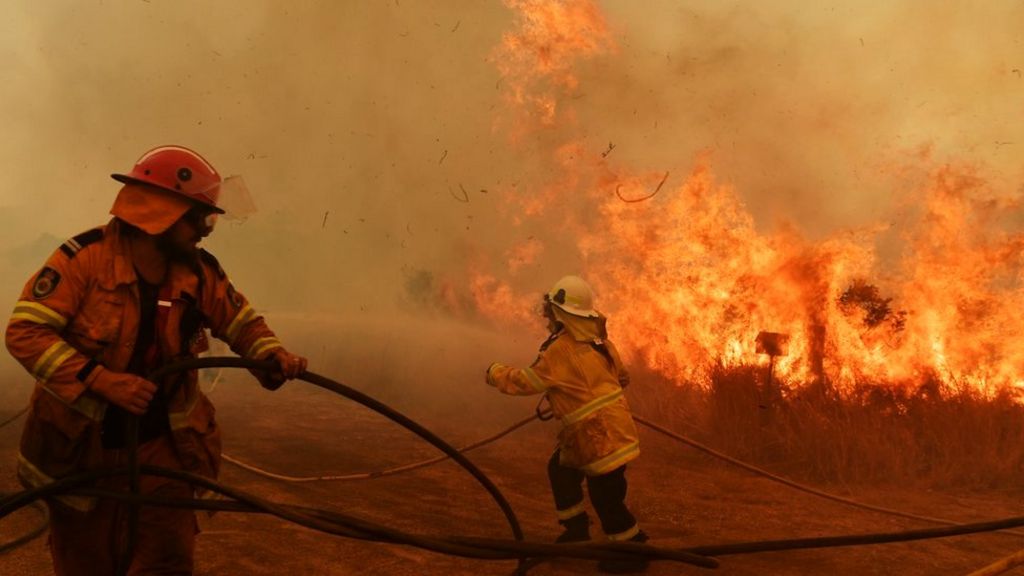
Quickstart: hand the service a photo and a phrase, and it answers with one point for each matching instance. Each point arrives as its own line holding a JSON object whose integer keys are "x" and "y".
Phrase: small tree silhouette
{"x": 875, "y": 309}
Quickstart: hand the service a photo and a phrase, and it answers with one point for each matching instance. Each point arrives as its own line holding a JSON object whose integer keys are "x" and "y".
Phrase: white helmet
{"x": 573, "y": 295}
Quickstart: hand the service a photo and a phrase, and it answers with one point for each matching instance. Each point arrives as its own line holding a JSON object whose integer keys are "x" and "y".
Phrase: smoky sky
{"x": 370, "y": 133}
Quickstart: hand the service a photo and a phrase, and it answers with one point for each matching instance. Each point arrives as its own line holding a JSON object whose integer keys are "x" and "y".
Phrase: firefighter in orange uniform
{"x": 109, "y": 306}
{"x": 582, "y": 376}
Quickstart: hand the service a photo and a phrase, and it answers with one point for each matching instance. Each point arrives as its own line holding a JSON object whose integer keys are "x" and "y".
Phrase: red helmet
{"x": 177, "y": 169}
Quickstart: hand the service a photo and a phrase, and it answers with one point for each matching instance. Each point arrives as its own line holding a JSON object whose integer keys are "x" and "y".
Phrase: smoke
{"x": 375, "y": 140}
{"x": 805, "y": 108}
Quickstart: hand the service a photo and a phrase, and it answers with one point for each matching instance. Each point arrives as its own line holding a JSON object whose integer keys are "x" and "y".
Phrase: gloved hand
{"x": 288, "y": 366}
{"x": 128, "y": 391}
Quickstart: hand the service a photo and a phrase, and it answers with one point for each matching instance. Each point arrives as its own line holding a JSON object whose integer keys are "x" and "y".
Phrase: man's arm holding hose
{"x": 232, "y": 319}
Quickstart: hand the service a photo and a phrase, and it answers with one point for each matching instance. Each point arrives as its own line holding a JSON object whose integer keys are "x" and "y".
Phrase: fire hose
{"x": 44, "y": 523}
{"x": 1002, "y": 565}
{"x": 332, "y": 522}
{"x": 341, "y": 524}
{"x": 951, "y": 529}
{"x": 795, "y": 485}
{"x": 639, "y": 419}
{"x": 32, "y": 534}
{"x": 477, "y": 547}
{"x": 17, "y": 415}
{"x": 377, "y": 473}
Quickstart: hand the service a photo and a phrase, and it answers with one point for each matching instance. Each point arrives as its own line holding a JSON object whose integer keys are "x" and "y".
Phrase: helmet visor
{"x": 235, "y": 199}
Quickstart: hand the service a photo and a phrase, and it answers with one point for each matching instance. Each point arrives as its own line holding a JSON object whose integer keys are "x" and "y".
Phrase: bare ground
{"x": 681, "y": 497}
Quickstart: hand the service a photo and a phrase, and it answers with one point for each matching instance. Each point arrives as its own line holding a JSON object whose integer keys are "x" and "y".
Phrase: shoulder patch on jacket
{"x": 75, "y": 245}
{"x": 45, "y": 283}
{"x": 212, "y": 261}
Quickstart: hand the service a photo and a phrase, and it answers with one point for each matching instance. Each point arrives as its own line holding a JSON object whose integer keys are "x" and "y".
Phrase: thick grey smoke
{"x": 805, "y": 105}
{"x": 366, "y": 130}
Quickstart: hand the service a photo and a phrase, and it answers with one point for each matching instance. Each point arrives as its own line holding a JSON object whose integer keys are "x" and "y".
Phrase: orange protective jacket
{"x": 77, "y": 321}
{"x": 582, "y": 377}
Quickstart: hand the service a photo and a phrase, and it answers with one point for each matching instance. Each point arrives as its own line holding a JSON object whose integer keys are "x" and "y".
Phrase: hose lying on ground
{"x": 39, "y": 528}
{"x": 31, "y": 535}
{"x": 855, "y": 539}
{"x": 466, "y": 546}
{"x": 17, "y": 415}
{"x": 334, "y": 523}
{"x": 483, "y": 548}
{"x": 795, "y": 485}
{"x": 365, "y": 400}
{"x": 644, "y": 422}
{"x": 1001, "y": 566}
{"x": 377, "y": 473}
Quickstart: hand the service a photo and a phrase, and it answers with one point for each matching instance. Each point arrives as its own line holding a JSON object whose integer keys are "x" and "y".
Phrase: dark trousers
{"x": 607, "y": 495}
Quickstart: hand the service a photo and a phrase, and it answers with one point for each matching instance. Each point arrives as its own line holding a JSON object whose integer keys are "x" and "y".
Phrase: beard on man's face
{"x": 186, "y": 253}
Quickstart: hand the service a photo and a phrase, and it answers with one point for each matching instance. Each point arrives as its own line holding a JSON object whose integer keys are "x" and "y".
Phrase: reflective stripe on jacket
{"x": 81, "y": 311}
{"x": 582, "y": 381}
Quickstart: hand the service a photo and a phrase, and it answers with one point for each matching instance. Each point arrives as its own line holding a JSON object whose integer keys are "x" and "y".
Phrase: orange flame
{"x": 689, "y": 282}
{"x": 536, "y": 61}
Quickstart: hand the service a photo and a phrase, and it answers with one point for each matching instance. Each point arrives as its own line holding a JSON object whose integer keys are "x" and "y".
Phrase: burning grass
{"x": 922, "y": 435}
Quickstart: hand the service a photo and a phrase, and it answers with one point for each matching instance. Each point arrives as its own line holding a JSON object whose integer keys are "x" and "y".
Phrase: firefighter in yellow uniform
{"x": 110, "y": 306}
{"x": 582, "y": 376}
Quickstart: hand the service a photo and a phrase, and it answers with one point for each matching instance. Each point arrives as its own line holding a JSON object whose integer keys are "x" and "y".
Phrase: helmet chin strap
{"x": 548, "y": 311}
{"x": 554, "y": 326}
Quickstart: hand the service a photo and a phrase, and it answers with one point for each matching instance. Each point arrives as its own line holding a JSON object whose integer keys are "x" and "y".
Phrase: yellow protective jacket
{"x": 77, "y": 322}
{"x": 583, "y": 378}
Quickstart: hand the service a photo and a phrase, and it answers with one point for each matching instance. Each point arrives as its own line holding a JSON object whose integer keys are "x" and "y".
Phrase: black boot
{"x": 625, "y": 566}
{"x": 577, "y": 529}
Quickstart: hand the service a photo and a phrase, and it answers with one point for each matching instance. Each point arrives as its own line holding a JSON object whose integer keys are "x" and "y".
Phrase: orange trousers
{"x": 91, "y": 543}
